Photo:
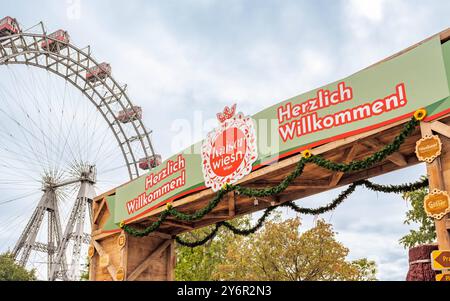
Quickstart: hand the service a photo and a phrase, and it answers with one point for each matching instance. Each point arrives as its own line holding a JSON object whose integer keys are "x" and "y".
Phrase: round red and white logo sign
{"x": 230, "y": 150}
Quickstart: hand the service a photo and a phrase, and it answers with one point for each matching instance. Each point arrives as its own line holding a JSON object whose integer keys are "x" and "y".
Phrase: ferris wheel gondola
{"x": 8, "y": 26}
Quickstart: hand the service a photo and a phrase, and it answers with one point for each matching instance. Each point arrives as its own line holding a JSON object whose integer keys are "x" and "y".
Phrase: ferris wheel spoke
{"x": 68, "y": 143}
{"x": 45, "y": 137}
{"x": 100, "y": 148}
{"x": 61, "y": 123}
{"x": 6, "y": 181}
{"x": 106, "y": 171}
{"x": 10, "y": 228}
{"x": 11, "y": 170}
{"x": 39, "y": 107}
{"x": 107, "y": 152}
{"x": 21, "y": 104}
{"x": 18, "y": 159}
{"x": 92, "y": 136}
{"x": 20, "y": 197}
{"x": 11, "y": 136}
{"x": 26, "y": 130}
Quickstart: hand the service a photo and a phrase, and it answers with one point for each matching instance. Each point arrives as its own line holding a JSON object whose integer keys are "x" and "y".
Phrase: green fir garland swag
{"x": 270, "y": 191}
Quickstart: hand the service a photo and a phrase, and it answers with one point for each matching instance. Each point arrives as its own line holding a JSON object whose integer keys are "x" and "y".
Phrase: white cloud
{"x": 371, "y": 10}
{"x": 391, "y": 259}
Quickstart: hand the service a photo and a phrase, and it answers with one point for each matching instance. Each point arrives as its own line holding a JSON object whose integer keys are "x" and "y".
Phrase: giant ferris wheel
{"x": 67, "y": 128}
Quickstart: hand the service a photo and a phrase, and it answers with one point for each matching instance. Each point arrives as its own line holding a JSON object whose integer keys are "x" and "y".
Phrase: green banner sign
{"x": 376, "y": 96}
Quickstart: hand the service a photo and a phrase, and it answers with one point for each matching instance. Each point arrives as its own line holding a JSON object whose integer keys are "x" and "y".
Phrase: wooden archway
{"x": 118, "y": 256}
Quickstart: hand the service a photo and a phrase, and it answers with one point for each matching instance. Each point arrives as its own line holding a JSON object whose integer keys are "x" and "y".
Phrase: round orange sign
{"x": 121, "y": 240}
{"x": 91, "y": 251}
{"x": 428, "y": 148}
{"x": 120, "y": 274}
{"x": 437, "y": 204}
{"x": 228, "y": 152}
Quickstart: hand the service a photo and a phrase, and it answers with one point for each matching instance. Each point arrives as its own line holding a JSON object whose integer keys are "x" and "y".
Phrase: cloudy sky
{"x": 185, "y": 60}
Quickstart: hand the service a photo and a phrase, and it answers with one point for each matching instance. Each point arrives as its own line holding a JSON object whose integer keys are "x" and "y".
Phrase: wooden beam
{"x": 99, "y": 235}
{"x": 435, "y": 172}
{"x": 337, "y": 176}
{"x": 108, "y": 193}
{"x": 171, "y": 262}
{"x": 99, "y": 210}
{"x": 93, "y": 267}
{"x": 217, "y": 216}
{"x": 146, "y": 262}
{"x": 178, "y": 224}
{"x": 162, "y": 235}
{"x": 293, "y": 187}
{"x": 396, "y": 158}
{"x": 171, "y": 221}
{"x": 232, "y": 204}
{"x": 441, "y": 128}
{"x": 124, "y": 254}
{"x": 111, "y": 269}
{"x": 300, "y": 184}
{"x": 272, "y": 201}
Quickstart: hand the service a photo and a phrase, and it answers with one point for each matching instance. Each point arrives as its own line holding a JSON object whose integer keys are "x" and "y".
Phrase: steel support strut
{"x": 27, "y": 241}
{"x": 75, "y": 228}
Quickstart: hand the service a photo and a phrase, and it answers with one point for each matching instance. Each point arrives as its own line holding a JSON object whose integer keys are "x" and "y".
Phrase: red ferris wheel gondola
{"x": 8, "y": 26}
{"x": 131, "y": 114}
{"x": 58, "y": 41}
{"x": 150, "y": 162}
{"x": 98, "y": 72}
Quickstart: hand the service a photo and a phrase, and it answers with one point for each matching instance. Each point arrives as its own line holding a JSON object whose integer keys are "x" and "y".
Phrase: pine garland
{"x": 264, "y": 192}
{"x": 270, "y": 191}
{"x": 312, "y": 211}
{"x": 371, "y": 160}
{"x": 374, "y": 158}
{"x": 402, "y": 188}
{"x": 201, "y": 241}
{"x": 153, "y": 227}
{"x": 202, "y": 212}
{"x": 316, "y": 211}
{"x": 255, "y": 228}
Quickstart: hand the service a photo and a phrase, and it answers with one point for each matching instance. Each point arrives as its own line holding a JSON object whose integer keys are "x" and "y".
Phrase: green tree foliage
{"x": 85, "y": 271}
{"x": 416, "y": 215}
{"x": 367, "y": 269}
{"x": 277, "y": 252}
{"x": 11, "y": 271}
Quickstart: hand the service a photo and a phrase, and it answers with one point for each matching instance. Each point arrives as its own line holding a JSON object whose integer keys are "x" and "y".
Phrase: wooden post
{"x": 171, "y": 261}
{"x": 439, "y": 176}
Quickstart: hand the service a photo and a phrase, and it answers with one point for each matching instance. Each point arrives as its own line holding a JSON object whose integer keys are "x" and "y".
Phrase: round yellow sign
{"x": 91, "y": 251}
{"x": 120, "y": 274}
{"x": 437, "y": 204}
{"x": 428, "y": 148}
{"x": 121, "y": 240}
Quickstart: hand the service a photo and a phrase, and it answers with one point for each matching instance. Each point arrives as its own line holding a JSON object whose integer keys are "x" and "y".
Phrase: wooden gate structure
{"x": 119, "y": 256}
